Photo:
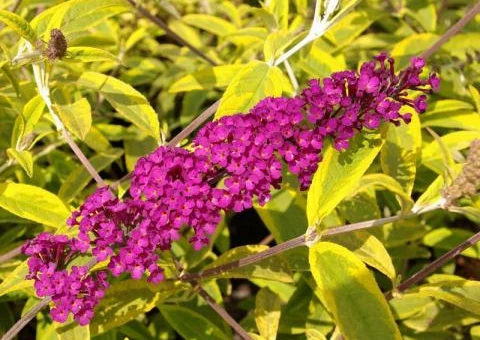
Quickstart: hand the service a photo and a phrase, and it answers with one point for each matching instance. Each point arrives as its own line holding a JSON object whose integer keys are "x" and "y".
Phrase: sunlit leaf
{"x": 191, "y": 324}
{"x": 254, "y": 82}
{"x": 336, "y": 174}
{"x": 75, "y": 15}
{"x": 77, "y": 117}
{"x": 384, "y": 181}
{"x": 448, "y": 238}
{"x": 87, "y": 54}
{"x": 71, "y": 330}
{"x": 400, "y": 153}
{"x": 351, "y": 26}
{"x": 208, "y": 78}
{"x": 351, "y": 294}
{"x": 16, "y": 280}
{"x": 411, "y": 46}
{"x": 129, "y": 103}
{"x": 464, "y": 294}
{"x": 19, "y": 25}
{"x": 24, "y": 158}
{"x": 210, "y": 23}
{"x": 125, "y": 300}
{"x": 271, "y": 268}
{"x": 267, "y": 313}
{"x": 33, "y": 203}
{"x": 368, "y": 249}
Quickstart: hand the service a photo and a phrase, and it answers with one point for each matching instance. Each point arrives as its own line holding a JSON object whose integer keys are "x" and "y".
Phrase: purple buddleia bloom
{"x": 232, "y": 162}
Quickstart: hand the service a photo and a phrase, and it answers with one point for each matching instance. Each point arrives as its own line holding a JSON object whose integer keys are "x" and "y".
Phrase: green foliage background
{"x": 125, "y": 86}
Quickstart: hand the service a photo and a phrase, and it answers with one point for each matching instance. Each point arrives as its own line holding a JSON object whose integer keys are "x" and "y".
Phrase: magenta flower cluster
{"x": 233, "y": 161}
{"x": 76, "y": 291}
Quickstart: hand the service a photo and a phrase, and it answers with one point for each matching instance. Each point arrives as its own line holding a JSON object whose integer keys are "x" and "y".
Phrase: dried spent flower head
{"x": 467, "y": 183}
{"x": 57, "y": 45}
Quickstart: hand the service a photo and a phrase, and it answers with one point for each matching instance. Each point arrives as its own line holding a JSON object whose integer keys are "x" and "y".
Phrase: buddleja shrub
{"x": 148, "y": 255}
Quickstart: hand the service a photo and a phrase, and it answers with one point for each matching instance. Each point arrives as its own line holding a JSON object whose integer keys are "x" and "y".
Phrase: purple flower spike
{"x": 233, "y": 161}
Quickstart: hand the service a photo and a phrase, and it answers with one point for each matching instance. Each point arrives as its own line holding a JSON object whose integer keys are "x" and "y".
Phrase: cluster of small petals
{"x": 76, "y": 291}
{"x": 233, "y": 161}
{"x": 105, "y": 218}
{"x": 347, "y": 101}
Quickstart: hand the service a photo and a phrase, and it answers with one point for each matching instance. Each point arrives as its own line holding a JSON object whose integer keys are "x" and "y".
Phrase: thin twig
{"x": 312, "y": 238}
{"x": 15, "y": 6}
{"x": 11, "y": 254}
{"x": 210, "y": 111}
{"x": 432, "y": 267}
{"x": 269, "y": 238}
{"x": 157, "y": 21}
{"x": 279, "y": 248}
{"x": 18, "y": 326}
{"x": 223, "y": 314}
{"x": 453, "y": 30}
{"x": 83, "y": 159}
{"x": 291, "y": 75}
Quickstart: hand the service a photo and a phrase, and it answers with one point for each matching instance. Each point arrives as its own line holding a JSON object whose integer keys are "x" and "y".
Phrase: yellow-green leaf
{"x": 432, "y": 154}
{"x": 77, "y": 117}
{"x": 19, "y": 25}
{"x": 350, "y": 292}
{"x": 125, "y": 300}
{"x": 475, "y": 332}
{"x": 351, "y": 26}
{"x": 424, "y": 13}
{"x": 276, "y": 43}
{"x": 210, "y": 23}
{"x": 400, "y": 152}
{"x": 475, "y": 96}
{"x": 191, "y": 324}
{"x": 208, "y": 78}
{"x": 16, "y": 280}
{"x": 71, "y": 330}
{"x": 387, "y": 182}
{"x": 254, "y": 82}
{"x": 271, "y": 268}
{"x": 87, "y": 54}
{"x": 412, "y": 46}
{"x": 24, "y": 158}
{"x": 33, "y": 203}
{"x": 461, "y": 293}
{"x": 434, "y": 190}
{"x": 267, "y": 313}
{"x": 338, "y": 172}
{"x": 80, "y": 177}
{"x": 368, "y": 249}
{"x": 447, "y": 238}
{"x": 128, "y": 102}
{"x": 74, "y": 16}
{"x": 318, "y": 63}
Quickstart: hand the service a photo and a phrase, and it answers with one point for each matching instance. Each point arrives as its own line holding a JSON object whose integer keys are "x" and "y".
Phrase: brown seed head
{"x": 467, "y": 183}
{"x": 57, "y": 46}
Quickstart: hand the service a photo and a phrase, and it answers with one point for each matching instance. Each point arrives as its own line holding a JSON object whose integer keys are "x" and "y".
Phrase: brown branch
{"x": 223, "y": 314}
{"x": 157, "y": 21}
{"x": 18, "y": 326}
{"x": 275, "y": 250}
{"x": 11, "y": 254}
{"x": 83, "y": 159}
{"x": 432, "y": 267}
{"x": 453, "y": 30}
